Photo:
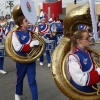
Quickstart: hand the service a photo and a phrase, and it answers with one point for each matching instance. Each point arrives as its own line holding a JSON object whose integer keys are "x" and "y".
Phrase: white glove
{"x": 98, "y": 70}
{"x": 34, "y": 42}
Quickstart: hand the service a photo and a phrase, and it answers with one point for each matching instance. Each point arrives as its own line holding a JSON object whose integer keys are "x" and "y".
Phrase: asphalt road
{"x": 47, "y": 90}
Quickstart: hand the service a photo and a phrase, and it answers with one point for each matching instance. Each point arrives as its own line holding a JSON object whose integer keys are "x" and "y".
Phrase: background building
{"x": 70, "y": 6}
{"x": 52, "y": 9}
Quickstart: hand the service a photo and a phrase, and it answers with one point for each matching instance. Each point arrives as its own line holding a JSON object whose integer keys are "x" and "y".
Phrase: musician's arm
{"x": 18, "y": 46}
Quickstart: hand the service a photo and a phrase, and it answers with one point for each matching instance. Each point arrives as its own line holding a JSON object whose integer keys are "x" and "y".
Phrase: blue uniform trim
{"x": 87, "y": 79}
{"x": 85, "y": 60}
{"x": 30, "y": 70}
{"x": 87, "y": 89}
{"x": 23, "y": 39}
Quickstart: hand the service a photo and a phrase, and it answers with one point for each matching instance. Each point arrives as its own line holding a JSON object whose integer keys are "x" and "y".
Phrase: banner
{"x": 93, "y": 18}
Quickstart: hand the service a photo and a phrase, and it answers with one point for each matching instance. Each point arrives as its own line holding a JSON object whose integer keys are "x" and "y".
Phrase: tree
{"x": 1, "y": 12}
{"x": 10, "y": 5}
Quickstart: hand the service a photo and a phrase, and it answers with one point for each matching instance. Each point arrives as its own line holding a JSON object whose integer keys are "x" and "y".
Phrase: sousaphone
{"x": 79, "y": 15}
{"x": 28, "y": 10}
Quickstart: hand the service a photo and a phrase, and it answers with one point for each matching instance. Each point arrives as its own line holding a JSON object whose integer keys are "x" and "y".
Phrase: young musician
{"x": 53, "y": 30}
{"x": 23, "y": 43}
{"x": 44, "y": 32}
{"x": 81, "y": 67}
{"x": 2, "y": 57}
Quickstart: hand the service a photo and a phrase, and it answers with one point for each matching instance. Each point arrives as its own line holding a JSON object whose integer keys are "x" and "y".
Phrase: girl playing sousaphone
{"x": 83, "y": 72}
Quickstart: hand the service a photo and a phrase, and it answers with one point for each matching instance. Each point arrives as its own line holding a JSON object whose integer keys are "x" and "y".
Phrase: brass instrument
{"x": 79, "y": 15}
{"x": 35, "y": 53}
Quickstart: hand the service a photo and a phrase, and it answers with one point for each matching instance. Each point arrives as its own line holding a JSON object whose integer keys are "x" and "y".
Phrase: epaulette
{"x": 74, "y": 51}
{"x": 18, "y": 30}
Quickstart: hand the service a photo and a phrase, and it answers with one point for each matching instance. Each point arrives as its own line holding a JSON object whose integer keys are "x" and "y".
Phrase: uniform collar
{"x": 84, "y": 50}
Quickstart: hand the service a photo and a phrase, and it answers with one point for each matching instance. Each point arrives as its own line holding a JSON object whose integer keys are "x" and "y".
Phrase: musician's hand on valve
{"x": 34, "y": 42}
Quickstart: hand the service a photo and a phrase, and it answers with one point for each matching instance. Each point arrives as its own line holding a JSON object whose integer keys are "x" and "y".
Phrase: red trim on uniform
{"x": 34, "y": 29}
{"x": 76, "y": 58}
{"x": 44, "y": 31}
{"x": 26, "y": 48}
{"x": 6, "y": 33}
{"x": 1, "y": 36}
{"x": 31, "y": 35}
{"x": 94, "y": 77}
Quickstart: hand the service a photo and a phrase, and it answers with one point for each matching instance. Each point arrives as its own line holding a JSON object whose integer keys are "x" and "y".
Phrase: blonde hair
{"x": 77, "y": 35}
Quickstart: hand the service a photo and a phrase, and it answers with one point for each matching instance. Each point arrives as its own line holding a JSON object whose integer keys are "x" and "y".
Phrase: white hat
{"x": 42, "y": 15}
{"x": 50, "y": 20}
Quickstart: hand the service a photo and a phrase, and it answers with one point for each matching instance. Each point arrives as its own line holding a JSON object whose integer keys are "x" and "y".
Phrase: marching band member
{"x": 53, "y": 30}
{"x": 4, "y": 28}
{"x": 6, "y": 31}
{"x": 22, "y": 43}
{"x": 11, "y": 25}
{"x": 81, "y": 67}
{"x": 33, "y": 28}
{"x": 50, "y": 21}
{"x": 44, "y": 31}
{"x": 52, "y": 25}
{"x": 59, "y": 27}
{"x": 1, "y": 58}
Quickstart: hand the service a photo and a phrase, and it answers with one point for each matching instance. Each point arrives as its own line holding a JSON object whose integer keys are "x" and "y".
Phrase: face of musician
{"x": 81, "y": 38}
{"x": 43, "y": 21}
{"x": 24, "y": 24}
{"x": 84, "y": 42}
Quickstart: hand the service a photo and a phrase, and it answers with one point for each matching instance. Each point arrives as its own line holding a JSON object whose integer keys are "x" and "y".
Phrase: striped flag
{"x": 83, "y": 27}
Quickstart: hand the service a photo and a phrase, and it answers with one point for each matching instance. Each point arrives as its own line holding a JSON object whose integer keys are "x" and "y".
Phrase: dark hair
{"x": 19, "y": 20}
{"x": 77, "y": 35}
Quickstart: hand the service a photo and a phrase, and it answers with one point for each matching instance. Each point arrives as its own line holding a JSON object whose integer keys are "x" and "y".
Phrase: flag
{"x": 83, "y": 27}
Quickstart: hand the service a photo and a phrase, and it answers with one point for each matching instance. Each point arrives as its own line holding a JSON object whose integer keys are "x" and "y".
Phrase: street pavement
{"x": 47, "y": 90}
